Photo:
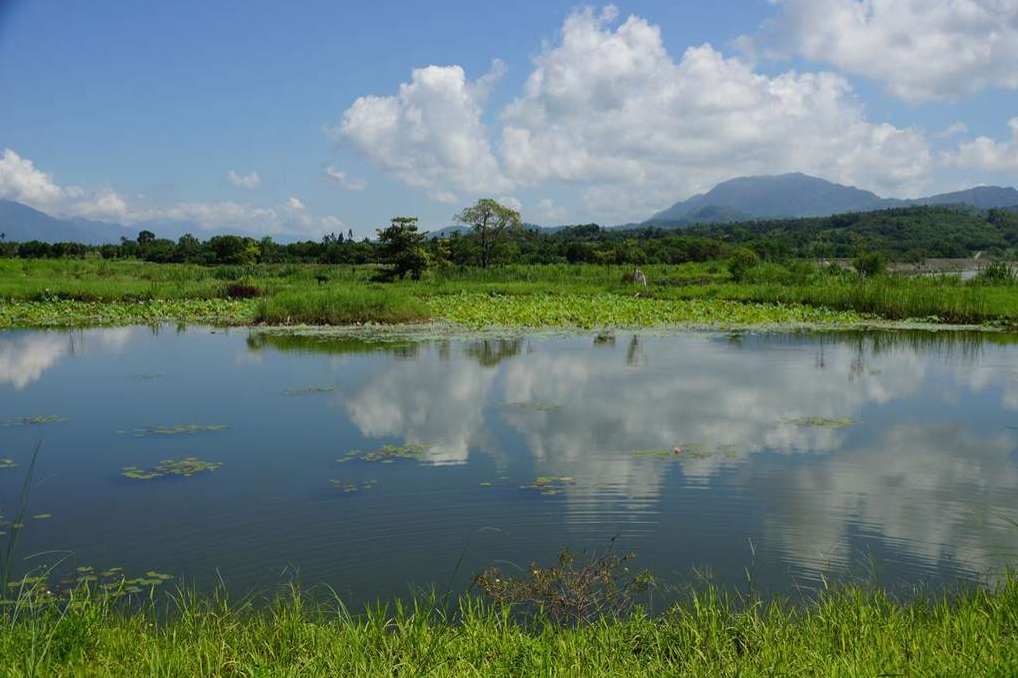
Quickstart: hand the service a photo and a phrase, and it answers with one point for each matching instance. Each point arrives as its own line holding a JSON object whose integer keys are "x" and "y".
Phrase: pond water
{"x": 800, "y": 455}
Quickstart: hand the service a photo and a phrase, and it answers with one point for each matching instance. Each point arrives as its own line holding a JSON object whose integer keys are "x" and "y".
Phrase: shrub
{"x": 870, "y": 264}
{"x": 742, "y": 260}
{"x": 344, "y": 306}
{"x": 997, "y": 273}
{"x": 241, "y": 291}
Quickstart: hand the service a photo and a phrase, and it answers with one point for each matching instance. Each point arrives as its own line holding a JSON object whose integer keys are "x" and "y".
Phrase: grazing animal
{"x": 321, "y": 279}
{"x": 639, "y": 278}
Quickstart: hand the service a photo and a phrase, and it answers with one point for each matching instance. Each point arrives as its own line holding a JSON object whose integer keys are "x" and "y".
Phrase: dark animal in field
{"x": 322, "y": 279}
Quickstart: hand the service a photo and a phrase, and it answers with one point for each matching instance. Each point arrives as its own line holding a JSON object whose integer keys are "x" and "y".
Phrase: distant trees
{"x": 402, "y": 250}
{"x": 492, "y": 226}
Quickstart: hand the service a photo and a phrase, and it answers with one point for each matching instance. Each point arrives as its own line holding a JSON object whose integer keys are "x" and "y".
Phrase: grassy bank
{"x": 852, "y": 632}
{"x": 92, "y": 292}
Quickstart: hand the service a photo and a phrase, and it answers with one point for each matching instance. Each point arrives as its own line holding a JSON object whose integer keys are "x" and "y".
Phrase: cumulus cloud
{"x": 609, "y": 108}
{"x": 430, "y": 134}
{"x": 920, "y": 49}
{"x": 954, "y": 130}
{"x": 547, "y": 210}
{"x": 250, "y": 180}
{"x": 22, "y": 181}
{"x": 988, "y": 155}
{"x": 340, "y": 178}
{"x": 609, "y": 111}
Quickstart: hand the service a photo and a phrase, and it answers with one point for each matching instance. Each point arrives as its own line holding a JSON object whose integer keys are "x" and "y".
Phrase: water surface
{"x": 801, "y": 455}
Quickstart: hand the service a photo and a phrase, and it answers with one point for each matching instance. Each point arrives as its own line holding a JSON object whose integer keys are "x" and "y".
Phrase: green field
{"x": 97, "y": 292}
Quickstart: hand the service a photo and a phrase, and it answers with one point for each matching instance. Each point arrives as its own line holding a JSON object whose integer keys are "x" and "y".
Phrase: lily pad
{"x": 820, "y": 422}
{"x": 550, "y": 485}
{"x": 386, "y": 454}
{"x": 186, "y": 467}
{"x": 531, "y": 406}
{"x": 177, "y": 429}
{"x": 34, "y": 421}
{"x": 311, "y": 390}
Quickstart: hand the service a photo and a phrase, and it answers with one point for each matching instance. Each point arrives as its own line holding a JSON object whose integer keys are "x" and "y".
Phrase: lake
{"x": 784, "y": 457}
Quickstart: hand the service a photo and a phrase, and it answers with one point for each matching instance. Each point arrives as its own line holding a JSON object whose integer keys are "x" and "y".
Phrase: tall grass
{"x": 847, "y": 632}
{"x": 341, "y": 306}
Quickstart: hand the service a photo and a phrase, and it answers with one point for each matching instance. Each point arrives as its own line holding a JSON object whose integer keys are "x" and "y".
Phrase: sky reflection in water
{"x": 917, "y": 483}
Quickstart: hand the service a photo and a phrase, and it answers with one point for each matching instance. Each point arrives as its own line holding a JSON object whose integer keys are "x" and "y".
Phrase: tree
{"x": 493, "y": 225}
{"x": 145, "y": 237}
{"x": 403, "y": 249}
{"x": 870, "y": 264}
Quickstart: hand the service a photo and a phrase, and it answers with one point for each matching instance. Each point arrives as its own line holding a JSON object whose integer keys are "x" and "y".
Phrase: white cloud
{"x": 511, "y": 202}
{"x": 20, "y": 180}
{"x": 920, "y": 49}
{"x": 954, "y": 130}
{"x": 987, "y": 154}
{"x": 547, "y": 210}
{"x": 250, "y": 180}
{"x": 340, "y": 178}
{"x": 609, "y": 109}
{"x": 446, "y": 197}
{"x": 430, "y": 134}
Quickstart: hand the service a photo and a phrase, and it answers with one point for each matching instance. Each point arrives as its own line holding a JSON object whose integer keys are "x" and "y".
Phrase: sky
{"x": 312, "y": 117}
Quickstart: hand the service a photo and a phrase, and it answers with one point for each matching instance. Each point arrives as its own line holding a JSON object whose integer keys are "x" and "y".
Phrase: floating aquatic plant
{"x": 820, "y": 422}
{"x": 386, "y": 454}
{"x": 7, "y": 463}
{"x": 186, "y": 467}
{"x": 34, "y": 421}
{"x": 42, "y": 516}
{"x": 688, "y": 451}
{"x": 311, "y": 390}
{"x": 550, "y": 484}
{"x": 176, "y": 430}
{"x": 352, "y": 487}
{"x": 531, "y": 406}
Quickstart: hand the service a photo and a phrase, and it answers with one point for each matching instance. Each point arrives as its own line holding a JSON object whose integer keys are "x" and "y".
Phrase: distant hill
{"x": 800, "y": 195}
{"x": 20, "y": 222}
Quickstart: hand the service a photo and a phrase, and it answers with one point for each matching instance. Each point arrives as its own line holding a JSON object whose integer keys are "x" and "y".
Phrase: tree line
{"x": 494, "y": 234}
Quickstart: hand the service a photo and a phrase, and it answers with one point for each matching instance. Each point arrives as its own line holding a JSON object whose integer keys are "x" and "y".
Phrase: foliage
{"x": 347, "y": 306}
{"x": 602, "y": 586}
{"x": 870, "y": 264}
{"x": 493, "y": 225}
{"x": 997, "y": 273}
{"x": 402, "y": 249}
{"x": 742, "y": 260}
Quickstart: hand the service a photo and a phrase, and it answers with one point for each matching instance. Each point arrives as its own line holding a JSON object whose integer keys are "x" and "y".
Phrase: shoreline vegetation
{"x": 94, "y": 292}
{"x": 851, "y": 631}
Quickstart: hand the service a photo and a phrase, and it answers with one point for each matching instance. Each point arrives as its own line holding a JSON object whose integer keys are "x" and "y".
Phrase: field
{"x": 848, "y": 632}
{"x": 98, "y": 292}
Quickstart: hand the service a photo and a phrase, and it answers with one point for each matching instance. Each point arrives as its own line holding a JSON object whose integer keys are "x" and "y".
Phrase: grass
{"x": 341, "y": 306}
{"x": 847, "y": 632}
{"x": 97, "y": 292}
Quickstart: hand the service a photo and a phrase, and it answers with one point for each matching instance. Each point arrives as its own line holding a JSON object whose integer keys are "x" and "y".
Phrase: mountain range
{"x": 741, "y": 199}
{"x": 800, "y": 195}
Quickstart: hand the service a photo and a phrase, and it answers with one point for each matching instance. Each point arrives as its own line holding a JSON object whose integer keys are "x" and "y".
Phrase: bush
{"x": 240, "y": 291}
{"x": 742, "y": 260}
{"x": 996, "y": 274}
{"x": 870, "y": 264}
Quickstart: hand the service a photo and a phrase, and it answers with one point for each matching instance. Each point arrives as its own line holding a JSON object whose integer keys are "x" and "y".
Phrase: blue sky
{"x": 140, "y": 112}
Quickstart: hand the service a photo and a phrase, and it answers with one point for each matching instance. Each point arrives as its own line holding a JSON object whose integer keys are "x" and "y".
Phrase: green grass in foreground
{"x": 851, "y": 632}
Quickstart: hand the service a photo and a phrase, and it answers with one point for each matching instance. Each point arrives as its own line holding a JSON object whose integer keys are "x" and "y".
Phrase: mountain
{"x": 980, "y": 197}
{"x": 800, "y": 195}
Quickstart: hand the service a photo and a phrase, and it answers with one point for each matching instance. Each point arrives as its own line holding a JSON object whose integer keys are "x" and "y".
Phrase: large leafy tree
{"x": 492, "y": 226}
{"x": 402, "y": 249}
